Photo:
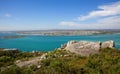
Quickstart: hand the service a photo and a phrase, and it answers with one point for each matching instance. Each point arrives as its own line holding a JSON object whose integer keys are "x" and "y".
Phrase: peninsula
{"x": 9, "y": 37}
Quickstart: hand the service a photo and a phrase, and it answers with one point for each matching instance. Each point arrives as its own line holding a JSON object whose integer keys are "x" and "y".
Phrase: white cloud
{"x": 8, "y": 15}
{"x": 74, "y": 25}
{"x": 70, "y": 24}
{"x": 104, "y": 10}
{"x": 109, "y": 18}
{"x": 112, "y": 22}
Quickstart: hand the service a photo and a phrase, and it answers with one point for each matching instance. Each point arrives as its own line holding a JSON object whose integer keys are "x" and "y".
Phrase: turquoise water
{"x": 48, "y": 43}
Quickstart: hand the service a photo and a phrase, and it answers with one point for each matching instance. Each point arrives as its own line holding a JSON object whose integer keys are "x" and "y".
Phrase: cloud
{"x": 70, "y": 24}
{"x": 8, "y": 15}
{"x": 107, "y": 17}
{"x": 103, "y": 11}
{"x": 74, "y": 25}
{"x": 112, "y": 22}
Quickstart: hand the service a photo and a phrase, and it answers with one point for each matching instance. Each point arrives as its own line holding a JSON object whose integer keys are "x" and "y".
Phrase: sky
{"x": 59, "y": 14}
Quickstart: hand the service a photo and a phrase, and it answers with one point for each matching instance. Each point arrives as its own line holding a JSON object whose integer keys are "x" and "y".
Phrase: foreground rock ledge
{"x": 85, "y": 48}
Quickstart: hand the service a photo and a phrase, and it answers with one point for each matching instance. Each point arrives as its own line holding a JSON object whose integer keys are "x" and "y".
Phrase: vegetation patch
{"x": 107, "y": 61}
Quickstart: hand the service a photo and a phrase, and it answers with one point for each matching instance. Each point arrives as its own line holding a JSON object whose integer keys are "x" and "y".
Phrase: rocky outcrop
{"x": 71, "y": 42}
{"x": 106, "y": 44}
{"x": 85, "y": 48}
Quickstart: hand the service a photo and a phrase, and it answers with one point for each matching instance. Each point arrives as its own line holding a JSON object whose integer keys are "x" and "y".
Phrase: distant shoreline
{"x": 9, "y": 37}
{"x": 63, "y": 32}
{"x": 67, "y": 32}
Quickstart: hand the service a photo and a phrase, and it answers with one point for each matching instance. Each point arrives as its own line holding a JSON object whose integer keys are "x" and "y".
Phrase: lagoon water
{"x": 48, "y": 43}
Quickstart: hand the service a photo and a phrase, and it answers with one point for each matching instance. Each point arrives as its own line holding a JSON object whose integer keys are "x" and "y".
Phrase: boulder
{"x": 109, "y": 44}
{"x": 85, "y": 48}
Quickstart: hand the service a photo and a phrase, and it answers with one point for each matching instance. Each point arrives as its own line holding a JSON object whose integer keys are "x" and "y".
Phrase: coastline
{"x": 10, "y": 37}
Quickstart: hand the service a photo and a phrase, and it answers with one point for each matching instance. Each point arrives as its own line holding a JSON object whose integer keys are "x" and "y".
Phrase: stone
{"x": 63, "y": 46}
{"x": 38, "y": 66}
{"x": 18, "y": 61}
{"x": 86, "y": 48}
{"x": 71, "y": 42}
{"x": 109, "y": 44}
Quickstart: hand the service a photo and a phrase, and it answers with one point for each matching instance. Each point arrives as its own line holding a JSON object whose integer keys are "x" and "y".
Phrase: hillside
{"x": 107, "y": 61}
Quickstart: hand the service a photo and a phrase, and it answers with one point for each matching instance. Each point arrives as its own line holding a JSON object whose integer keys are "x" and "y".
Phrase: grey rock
{"x": 63, "y": 46}
{"x": 71, "y": 42}
{"x": 106, "y": 44}
{"x": 85, "y": 48}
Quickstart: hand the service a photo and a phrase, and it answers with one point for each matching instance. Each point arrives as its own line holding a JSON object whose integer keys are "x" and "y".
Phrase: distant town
{"x": 65, "y": 32}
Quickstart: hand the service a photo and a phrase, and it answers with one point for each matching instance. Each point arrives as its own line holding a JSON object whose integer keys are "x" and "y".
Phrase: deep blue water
{"x": 48, "y": 43}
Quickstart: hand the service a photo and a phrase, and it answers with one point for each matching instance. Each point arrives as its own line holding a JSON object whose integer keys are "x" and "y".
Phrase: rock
{"x": 33, "y": 51}
{"x": 34, "y": 61}
{"x": 2, "y": 69}
{"x": 106, "y": 44}
{"x": 59, "y": 49}
{"x": 71, "y": 42}
{"x": 18, "y": 61}
{"x": 38, "y": 66}
{"x": 63, "y": 46}
{"x": 43, "y": 56}
{"x": 85, "y": 48}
